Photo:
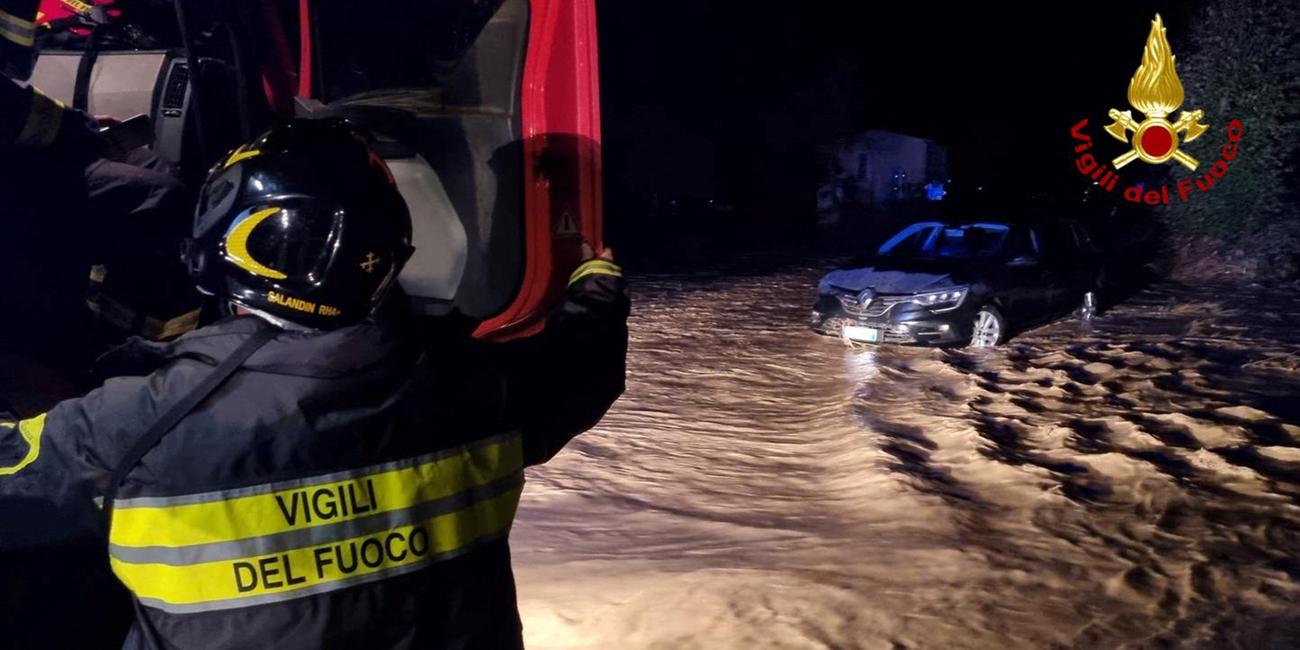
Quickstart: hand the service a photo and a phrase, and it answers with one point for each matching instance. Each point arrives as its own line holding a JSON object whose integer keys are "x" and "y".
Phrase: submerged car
{"x": 955, "y": 284}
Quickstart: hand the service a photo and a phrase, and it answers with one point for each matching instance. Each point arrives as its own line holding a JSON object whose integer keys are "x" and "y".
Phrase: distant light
{"x": 934, "y": 191}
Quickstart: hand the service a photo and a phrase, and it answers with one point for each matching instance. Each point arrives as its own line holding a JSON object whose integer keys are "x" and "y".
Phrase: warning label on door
{"x": 567, "y": 225}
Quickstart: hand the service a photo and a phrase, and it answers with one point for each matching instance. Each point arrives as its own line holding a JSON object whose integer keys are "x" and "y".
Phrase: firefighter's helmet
{"x": 303, "y": 224}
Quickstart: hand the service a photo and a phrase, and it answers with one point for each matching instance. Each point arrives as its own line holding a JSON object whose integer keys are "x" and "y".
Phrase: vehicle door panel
{"x": 1025, "y": 286}
{"x": 1066, "y": 269}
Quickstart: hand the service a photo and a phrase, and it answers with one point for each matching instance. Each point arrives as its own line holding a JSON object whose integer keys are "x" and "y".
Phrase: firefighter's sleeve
{"x": 53, "y": 470}
{"x": 561, "y": 382}
{"x": 32, "y": 121}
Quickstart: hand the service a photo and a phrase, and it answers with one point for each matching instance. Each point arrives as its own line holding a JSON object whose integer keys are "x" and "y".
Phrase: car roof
{"x": 1005, "y": 221}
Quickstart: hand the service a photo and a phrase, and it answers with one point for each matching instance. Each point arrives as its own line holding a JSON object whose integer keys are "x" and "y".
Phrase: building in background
{"x": 878, "y": 169}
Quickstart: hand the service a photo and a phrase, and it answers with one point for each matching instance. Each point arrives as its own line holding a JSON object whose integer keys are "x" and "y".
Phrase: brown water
{"x": 1133, "y": 484}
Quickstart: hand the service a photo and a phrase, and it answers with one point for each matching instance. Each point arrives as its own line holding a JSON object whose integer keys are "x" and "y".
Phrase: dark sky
{"x": 754, "y": 86}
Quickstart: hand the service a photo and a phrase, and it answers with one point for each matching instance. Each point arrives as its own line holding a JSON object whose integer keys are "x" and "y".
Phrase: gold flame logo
{"x": 1155, "y": 91}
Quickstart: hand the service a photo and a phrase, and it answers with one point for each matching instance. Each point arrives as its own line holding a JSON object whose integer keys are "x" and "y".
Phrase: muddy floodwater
{"x": 1129, "y": 485}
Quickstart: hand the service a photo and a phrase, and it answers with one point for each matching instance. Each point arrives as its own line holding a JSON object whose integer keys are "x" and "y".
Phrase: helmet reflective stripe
{"x": 242, "y": 153}
{"x": 237, "y": 243}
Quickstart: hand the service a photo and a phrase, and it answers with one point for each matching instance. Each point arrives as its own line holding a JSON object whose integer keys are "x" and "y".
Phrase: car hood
{"x": 897, "y": 276}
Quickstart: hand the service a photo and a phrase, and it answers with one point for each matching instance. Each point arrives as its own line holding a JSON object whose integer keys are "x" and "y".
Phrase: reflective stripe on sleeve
{"x": 596, "y": 267}
{"x": 43, "y": 121}
{"x": 16, "y": 30}
{"x": 30, "y": 430}
{"x": 274, "y": 542}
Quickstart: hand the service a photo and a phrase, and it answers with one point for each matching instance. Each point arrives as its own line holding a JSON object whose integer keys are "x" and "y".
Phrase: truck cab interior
{"x": 501, "y": 200}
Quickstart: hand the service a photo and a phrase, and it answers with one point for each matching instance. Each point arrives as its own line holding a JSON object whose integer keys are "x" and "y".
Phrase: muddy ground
{"x": 1131, "y": 484}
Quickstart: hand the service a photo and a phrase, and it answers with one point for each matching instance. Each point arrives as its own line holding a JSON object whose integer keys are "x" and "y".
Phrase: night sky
{"x": 731, "y": 99}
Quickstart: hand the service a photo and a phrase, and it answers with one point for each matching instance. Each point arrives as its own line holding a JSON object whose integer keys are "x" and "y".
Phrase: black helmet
{"x": 303, "y": 224}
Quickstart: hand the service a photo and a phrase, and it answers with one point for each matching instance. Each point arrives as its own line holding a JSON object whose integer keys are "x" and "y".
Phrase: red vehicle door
{"x": 501, "y": 99}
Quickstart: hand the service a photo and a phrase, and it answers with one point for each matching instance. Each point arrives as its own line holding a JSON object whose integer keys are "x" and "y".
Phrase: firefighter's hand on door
{"x": 588, "y": 253}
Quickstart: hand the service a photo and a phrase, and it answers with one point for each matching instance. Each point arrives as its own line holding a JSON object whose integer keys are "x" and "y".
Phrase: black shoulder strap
{"x": 214, "y": 380}
{"x": 81, "y": 89}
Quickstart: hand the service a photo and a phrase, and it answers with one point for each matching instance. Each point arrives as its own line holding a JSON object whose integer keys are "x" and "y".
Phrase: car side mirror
{"x": 1023, "y": 261}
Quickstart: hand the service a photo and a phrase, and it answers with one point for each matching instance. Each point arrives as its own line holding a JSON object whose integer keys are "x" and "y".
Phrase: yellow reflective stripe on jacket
{"x": 30, "y": 430}
{"x": 324, "y": 567}
{"x": 16, "y": 30}
{"x": 596, "y": 267}
{"x": 43, "y": 120}
{"x": 293, "y": 505}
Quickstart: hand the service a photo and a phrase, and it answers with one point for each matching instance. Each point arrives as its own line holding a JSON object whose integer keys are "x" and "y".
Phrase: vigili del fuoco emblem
{"x": 1156, "y": 92}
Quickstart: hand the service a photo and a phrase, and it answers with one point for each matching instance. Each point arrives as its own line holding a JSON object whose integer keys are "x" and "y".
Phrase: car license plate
{"x": 861, "y": 334}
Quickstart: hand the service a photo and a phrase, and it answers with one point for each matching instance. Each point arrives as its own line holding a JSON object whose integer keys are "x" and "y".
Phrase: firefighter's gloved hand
{"x": 588, "y": 253}
{"x": 594, "y": 263}
{"x": 32, "y": 121}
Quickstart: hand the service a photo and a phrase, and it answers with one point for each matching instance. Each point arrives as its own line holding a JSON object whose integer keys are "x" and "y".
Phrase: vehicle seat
{"x": 125, "y": 84}
{"x": 121, "y": 83}
{"x": 457, "y": 155}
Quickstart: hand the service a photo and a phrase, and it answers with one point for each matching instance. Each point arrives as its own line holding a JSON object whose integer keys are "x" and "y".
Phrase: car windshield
{"x": 933, "y": 239}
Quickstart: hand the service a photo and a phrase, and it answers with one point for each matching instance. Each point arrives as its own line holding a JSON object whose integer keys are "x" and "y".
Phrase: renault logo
{"x": 865, "y": 298}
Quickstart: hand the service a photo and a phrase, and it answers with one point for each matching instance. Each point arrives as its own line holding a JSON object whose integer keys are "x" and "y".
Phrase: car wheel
{"x": 988, "y": 329}
{"x": 1088, "y": 307}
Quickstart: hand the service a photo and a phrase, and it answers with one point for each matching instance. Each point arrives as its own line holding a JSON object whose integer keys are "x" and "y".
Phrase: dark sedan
{"x": 957, "y": 284}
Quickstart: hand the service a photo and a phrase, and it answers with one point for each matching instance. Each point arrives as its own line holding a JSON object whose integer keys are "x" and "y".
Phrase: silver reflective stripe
{"x": 17, "y": 30}
{"x": 326, "y": 587}
{"x": 254, "y": 490}
{"x": 16, "y": 22}
{"x": 266, "y": 545}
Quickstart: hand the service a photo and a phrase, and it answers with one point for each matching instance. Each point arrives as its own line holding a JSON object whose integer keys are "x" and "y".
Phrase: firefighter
{"x": 316, "y": 470}
{"x": 44, "y": 150}
{"x": 59, "y": 175}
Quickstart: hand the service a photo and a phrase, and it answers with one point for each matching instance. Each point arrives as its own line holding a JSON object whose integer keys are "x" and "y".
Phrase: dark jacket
{"x": 59, "y": 176}
{"x": 349, "y": 489}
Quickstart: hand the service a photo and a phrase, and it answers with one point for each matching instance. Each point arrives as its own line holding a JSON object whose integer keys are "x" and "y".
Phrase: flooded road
{"x": 1129, "y": 485}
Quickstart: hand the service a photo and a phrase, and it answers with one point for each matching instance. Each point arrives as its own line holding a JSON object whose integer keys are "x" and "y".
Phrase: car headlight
{"x": 942, "y": 300}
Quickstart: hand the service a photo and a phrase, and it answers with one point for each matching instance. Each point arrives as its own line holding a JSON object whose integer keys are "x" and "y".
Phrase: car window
{"x": 1022, "y": 243}
{"x": 1081, "y": 237}
{"x": 975, "y": 240}
{"x": 909, "y": 239}
{"x": 1059, "y": 240}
